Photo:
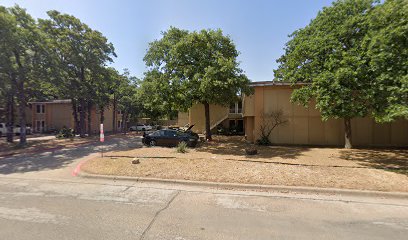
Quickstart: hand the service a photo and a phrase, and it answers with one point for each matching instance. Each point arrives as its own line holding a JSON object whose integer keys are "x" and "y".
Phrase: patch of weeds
{"x": 182, "y": 147}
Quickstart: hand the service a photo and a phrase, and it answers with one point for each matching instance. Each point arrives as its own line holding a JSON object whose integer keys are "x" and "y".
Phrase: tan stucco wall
{"x": 182, "y": 119}
{"x": 248, "y": 104}
{"x": 306, "y": 127}
{"x": 218, "y": 113}
{"x": 58, "y": 115}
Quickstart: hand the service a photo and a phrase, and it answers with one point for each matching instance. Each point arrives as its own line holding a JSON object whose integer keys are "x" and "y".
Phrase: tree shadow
{"x": 56, "y": 159}
{"x": 395, "y": 160}
{"x": 236, "y": 145}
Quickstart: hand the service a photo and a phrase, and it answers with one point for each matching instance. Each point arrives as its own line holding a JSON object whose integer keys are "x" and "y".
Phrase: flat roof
{"x": 273, "y": 83}
{"x": 54, "y": 101}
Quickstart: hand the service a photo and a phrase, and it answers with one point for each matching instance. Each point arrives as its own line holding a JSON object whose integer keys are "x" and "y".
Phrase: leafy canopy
{"x": 190, "y": 67}
{"x": 328, "y": 54}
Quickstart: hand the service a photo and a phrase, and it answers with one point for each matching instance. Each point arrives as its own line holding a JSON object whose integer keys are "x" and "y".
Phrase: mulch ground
{"x": 224, "y": 160}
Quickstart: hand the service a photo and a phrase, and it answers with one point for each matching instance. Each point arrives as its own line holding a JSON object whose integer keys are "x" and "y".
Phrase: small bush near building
{"x": 263, "y": 141}
{"x": 251, "y": 150}
{"x": 182, "y": 147}
{"x": 66, "y": 133}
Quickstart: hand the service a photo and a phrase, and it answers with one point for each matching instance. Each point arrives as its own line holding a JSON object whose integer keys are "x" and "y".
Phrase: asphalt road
{"x": 40, "y": 199}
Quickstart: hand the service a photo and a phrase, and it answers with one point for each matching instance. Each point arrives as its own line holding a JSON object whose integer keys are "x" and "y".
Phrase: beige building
{"x": 304, "y": 125}
{"x": 224, "y": 116}
{"x": 55, "y": 114}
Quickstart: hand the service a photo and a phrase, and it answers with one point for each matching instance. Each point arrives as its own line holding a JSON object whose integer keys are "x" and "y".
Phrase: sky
{"x": 259, "y": 28}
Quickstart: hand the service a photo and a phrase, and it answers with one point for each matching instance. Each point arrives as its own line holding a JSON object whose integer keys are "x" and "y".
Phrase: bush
{"x": 66, "y": 133}
{"x": 182, "y": 147}
{"x": 251, "y": 150}
{"x": 264, "y": 141}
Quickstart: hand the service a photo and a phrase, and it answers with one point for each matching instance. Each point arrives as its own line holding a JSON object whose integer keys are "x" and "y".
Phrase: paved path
{"x": 39, "y": 199}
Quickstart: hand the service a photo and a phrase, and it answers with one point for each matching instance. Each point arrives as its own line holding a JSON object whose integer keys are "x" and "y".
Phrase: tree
{"x": 269, "y": 121}
{"x": 79, "y": 51}
{"x": 196, "y": 67}
{"x": 329, "y": 56}
{"x": 22, "y": 55}
{"x": 127, "y": 98}
{"x": 155, "y": 96}
{"x": 387, "y": 48}
{"x": 7, "y": 89}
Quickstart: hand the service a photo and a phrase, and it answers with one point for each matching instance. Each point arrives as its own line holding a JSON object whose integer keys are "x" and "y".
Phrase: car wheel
{"x": 152, "y": 143}
{"x": 1, "y": 134}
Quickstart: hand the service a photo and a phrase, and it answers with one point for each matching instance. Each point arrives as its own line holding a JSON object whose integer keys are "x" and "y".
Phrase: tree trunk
{"x": 89, "y": 107}
{"x": 22, "y": 103}
{"x": 114, "y": 114}
{"x": 75, "y": 114}
{"x": 21, "y": 98}
{"x": 10, "y": 115}
{"x": 207, "y": 121}
{"x": 347, "y": 133}
{"x": 124, "y": 122}
{"x": 82, "y": 114}
{"x": 82, "y": 103}
{"x": 102, "y": 119}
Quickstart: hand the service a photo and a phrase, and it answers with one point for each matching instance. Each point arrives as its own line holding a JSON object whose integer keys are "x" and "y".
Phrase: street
{"x": 40, "y": 199}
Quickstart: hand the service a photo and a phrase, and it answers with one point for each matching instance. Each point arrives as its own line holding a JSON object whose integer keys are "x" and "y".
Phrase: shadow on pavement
{"x": 62, "y": 158}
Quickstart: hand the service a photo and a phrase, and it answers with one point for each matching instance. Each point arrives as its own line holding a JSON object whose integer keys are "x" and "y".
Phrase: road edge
{"x": 240, "y": 186}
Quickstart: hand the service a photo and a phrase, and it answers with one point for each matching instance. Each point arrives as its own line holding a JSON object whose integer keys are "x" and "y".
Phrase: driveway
{"x": 60, "y": 163}
{"x": 40, "y": 199}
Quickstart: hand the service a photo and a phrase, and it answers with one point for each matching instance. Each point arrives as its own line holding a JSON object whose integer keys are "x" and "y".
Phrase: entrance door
{"x": 240, "y": 126}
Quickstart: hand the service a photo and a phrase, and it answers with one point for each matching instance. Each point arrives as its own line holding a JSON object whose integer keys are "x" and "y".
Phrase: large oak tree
{"x": 196, "y": 67}
{"x": 352, "y": 69}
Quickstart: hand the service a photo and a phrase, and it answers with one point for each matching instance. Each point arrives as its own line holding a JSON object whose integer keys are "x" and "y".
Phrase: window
{"x": 40, "y": 108}
{"x": 236, "y": 107}
{"x": 120, "y": 124}
{"x": 239, "y": 107}
{"x": 120, "y": 112}
{"x": 232, "y": 108}
{"x": 170, "y": 133}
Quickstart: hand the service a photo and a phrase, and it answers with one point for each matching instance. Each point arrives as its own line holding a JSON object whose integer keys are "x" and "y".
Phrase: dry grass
{"x": 7, "y": 149}
{"x": 224, "y": 160}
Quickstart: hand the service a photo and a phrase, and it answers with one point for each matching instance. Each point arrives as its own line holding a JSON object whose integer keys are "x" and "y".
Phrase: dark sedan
{"x": 170, "y": 137}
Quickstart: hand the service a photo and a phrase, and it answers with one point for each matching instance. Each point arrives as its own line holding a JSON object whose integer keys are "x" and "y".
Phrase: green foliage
{"x": 328, "y": 55}
{"x": 182, "y": 147}
{"x": 353, "y": 56}
{"x": 65, "y": 133}
{"x": 196, "y": 67}
{"x": 387, "y": 48}
{"x": 193, "y": 67}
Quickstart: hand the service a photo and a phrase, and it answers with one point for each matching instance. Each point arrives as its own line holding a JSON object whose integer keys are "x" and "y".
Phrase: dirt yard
{"x": 224, "y": 160}
{"x": 35, "y": 144}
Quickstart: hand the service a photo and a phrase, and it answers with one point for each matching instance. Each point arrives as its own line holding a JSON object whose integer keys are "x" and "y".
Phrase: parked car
{"x": 141, "y": 127}
{"x": 170, "y": 137}
{"x": 16, "y": 129}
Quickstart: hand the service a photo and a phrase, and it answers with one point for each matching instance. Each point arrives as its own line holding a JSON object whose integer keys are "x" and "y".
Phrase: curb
{"x": 239, "y": 186}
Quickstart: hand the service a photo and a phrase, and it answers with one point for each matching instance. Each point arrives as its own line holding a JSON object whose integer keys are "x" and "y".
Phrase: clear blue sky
{"x": 259, "y": 28}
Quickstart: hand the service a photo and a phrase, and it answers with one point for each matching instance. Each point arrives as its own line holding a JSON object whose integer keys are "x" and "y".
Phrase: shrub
{"x": 182, "y": 147}
{"x": 264, "y": 141}
{"x": 66, "y": 133}
{"x": 251, "y": 150}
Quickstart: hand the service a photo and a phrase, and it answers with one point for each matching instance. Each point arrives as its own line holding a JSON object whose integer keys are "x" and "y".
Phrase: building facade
{"x": 56, "y": 114}
{"x": 304, "y": 126}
